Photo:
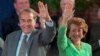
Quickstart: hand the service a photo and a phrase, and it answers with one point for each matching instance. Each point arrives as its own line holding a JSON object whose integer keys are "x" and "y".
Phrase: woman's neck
{"x": 78, "y": 45}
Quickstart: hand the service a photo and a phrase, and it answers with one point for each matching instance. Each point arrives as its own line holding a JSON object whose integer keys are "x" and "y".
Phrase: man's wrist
{"x": 49, "y": 23}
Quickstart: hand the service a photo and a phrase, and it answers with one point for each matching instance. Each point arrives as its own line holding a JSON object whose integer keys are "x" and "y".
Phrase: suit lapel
{"x": 31, "y": 40}
{"x": 16, "y": 41}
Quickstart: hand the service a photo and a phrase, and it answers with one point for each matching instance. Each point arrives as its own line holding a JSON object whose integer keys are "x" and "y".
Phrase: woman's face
{"x": 75, "y": 33}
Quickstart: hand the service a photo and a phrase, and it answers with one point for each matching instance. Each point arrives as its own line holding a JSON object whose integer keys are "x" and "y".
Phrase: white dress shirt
{"x": 20, "y": 42}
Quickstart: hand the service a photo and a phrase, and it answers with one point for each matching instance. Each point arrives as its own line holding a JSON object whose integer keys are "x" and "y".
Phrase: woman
{"x": 69, "y": 38}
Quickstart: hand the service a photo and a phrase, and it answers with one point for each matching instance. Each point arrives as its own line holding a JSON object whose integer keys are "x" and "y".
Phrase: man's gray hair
{"x": 30, "y": 11}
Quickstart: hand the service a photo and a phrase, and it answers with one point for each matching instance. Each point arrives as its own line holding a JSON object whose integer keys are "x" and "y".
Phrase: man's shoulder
{"x": 14, "y": 33}
{"x": 36, "y": 31}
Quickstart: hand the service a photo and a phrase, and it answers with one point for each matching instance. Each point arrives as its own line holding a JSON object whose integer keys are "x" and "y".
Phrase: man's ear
{"x": 15, "y": 5}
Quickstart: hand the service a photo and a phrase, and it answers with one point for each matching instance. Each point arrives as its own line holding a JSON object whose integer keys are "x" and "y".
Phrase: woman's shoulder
{"x": 86, "y": 45}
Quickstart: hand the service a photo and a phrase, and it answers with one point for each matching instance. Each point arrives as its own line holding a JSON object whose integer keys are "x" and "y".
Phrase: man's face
{"x": 21, "y": 5}
{"x": 27, "y": 22}
{"x": 99, "y": 13}
{"x": 64, "y": 3}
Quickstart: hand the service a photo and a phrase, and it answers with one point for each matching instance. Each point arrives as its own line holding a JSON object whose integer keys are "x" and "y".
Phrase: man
{"x": 53, "y": 50}
{"x": 0, "y": 30}
{"x": 1, "y": 45}
{"x": 94, "y": 35}
{"x": 10, "y": 24}
{"x": 36, "y": 41}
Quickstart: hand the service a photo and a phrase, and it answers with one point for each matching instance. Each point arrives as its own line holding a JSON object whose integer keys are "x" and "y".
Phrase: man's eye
{"x": 29, "y": 20}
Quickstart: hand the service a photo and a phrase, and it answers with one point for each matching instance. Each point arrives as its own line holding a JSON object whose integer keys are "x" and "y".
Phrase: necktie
{"x": 23, "y": 47}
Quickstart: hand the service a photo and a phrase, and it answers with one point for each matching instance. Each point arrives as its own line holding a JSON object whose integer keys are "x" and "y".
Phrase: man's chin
{"x": 27, "y": 32}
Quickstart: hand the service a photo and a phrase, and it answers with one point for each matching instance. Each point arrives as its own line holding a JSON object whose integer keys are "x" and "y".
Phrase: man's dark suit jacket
{"x": 94, "y": 38}
{"x": 37, "y": 43}
{"x": 9, "y": 25}
{"x": 0, "y": 30}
